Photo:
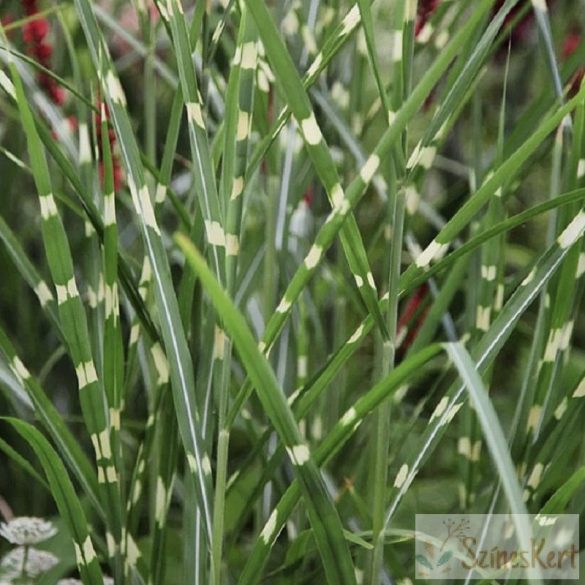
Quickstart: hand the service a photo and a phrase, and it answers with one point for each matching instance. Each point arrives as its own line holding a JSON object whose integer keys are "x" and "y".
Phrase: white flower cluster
{"x": 23, "y": 564}
{"x": 30, "y": 561}
{"x": 26, "y": 562}
{"x": 26, "y": 530}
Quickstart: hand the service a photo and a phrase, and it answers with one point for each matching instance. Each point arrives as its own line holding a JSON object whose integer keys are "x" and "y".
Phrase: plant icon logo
{"x": 436, "y": 560}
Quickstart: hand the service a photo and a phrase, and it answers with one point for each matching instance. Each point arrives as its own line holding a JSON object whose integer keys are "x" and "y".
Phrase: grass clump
{"x": 279, "y": 277}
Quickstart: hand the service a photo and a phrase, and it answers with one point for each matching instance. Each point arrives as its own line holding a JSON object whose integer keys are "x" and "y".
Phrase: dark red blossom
{"x": 117, "y": 167}
{"x": 34, "y": 34}
{"x": 55, "y": 92}
{"x": 571, "y": 43}
{"x": 430, "y": 100}
{"x": 424, "y": 12}
{"x": 30, "y": 7}
{"x": 35, "y": 31}
{"x": 309, "y": 196}
{"x": 412, "y": 318}
{"x": 522, "y": 29}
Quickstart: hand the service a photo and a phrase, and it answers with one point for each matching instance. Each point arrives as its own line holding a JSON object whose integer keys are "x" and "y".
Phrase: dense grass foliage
{"x": 276, "y": 277}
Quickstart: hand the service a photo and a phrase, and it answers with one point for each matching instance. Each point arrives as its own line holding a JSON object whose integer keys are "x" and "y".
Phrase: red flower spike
{"x": 35, "y": 35}
{"x": 571, "y": 43}
{"x": 117, "y": 167}
{"x": 43, "y": 52}
{"x": 30, "y": 8}
{"x": 522, "y": 29}
{"x": 412, "y": 306}
{"x": 35, "y": 31}
{"x": 424, "y": 12}
{"x": 309, "y": 196}
{"x": 406, "y": 318}
{"x": 57, "y": 94}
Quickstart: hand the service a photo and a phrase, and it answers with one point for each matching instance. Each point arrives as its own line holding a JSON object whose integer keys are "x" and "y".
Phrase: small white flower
{"x": 27, "y": 530}
{"x": 37, "y": 562}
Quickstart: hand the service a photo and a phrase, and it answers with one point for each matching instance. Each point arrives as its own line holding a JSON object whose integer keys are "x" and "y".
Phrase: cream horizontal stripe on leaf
{"x": 423, "y": 156}
{"x": 351, "y": 20}
{"x": 580, "y": 266}
{"x": 215, "y": 233}
{"x": 232, "y": 244}
{"x": 401, "y": 476}
{"x": 19, "y": 370}
{"x": 434, "y": 251}
{"x": 243, "y": 128}
{"x": 86, "y": 374}
{"x": 370, "y": 168}
{"x": 482, "y": 319}
{"x": 67, "y": 291}
{"x": 206, "y": 465}
{"x": 580, "y": 391}
{"x": 311, "y": 131}
{"x": 114, "y": 88}
{"x": 219, "y": 343}
{"x": 315, "y": 65}
{"x": 84, "y": 144}
{"x": 269, "y": 528}
{"x": 115, "y": 418}
{"x": 160, "y": 363}
{"x": 161, "y": 193}
{"x": 195, "y": 114}
{"x": 412, "y": 199}
{"x": 109, "y": 209}
{"x": 573, "y": 231}
{"x": 488, "y": 272}
{"x": 349, "y": 417}
{"x": 283, "y": 306}
{"x": 107, "y": 474}
{"x": 356, "y": 335}
{"x": 249, "y": 55}
{"x": 111, "y": 300}
{"x": 299, "y": 454}
{"x": 132, "y": 551}
{"x": 314, "y": 256}
{"x": 160, "y": 501}
{"x": 302, "y": 366}
{"x": 396, "y": 50}
{"x": 143, "y": 205}
{"x": 561, "y": 408}
{"x": 101, "y": 445}
{"x": 237, "y": 188}
{"x": 534, "y": 416}
{"x": 48, "y": 207}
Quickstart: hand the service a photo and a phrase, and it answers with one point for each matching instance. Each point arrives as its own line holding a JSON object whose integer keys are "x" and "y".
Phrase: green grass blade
{"x": 181, "y": 367}
{"x": 342, "y": 431}
{"x": 49, "y": 416}
{"x": 67, "y": 502}
{"x": 292, "y": 90}
{"x": 320, "y": 509}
